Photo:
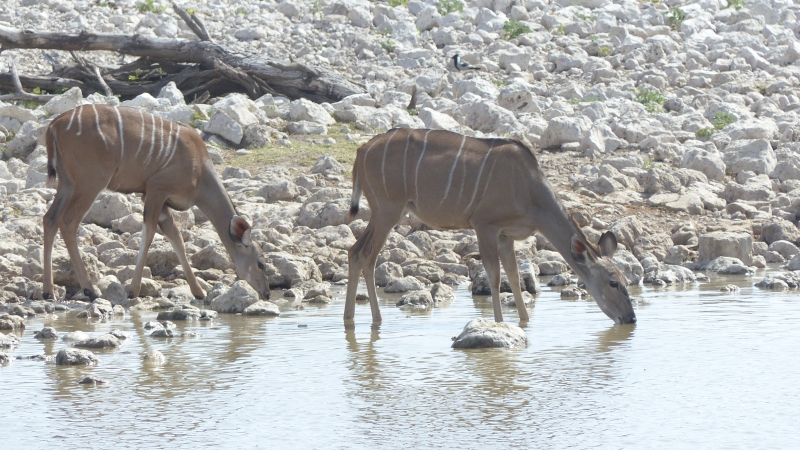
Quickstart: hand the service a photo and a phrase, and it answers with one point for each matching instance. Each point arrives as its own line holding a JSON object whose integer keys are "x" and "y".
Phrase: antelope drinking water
{"x": 494, "y": 186}
{"x": 94, "y": 147}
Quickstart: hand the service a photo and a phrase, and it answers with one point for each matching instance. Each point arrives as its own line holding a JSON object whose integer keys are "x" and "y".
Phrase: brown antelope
{"x": 94, "y": 147}
{"x": 494, "y": 186}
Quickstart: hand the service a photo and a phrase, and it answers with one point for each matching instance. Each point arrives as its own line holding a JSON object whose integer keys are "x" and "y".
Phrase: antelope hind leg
{"x": 173, "y": 234}
{"x": 509, "y": 260}
{"x": 354, "y": 273}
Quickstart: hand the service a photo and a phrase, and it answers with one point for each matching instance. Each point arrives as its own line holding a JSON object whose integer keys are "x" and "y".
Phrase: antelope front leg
{"x": 487, "y": 244}
{"x": 173, "y": 234}
{"x": 509, "y": 259}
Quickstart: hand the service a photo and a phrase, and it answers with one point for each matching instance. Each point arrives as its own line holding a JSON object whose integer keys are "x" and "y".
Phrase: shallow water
{"x": 701, "y": 368}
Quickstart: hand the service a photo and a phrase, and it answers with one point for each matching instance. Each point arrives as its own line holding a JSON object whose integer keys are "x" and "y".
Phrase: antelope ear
{"x": 608, "y": 244}
{"x": 240, "y": 231}
{"x": 581, "y": 253}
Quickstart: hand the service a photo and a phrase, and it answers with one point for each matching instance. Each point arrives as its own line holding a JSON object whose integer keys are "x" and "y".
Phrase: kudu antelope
{"x": 94, "y": 147}
{"x": 494, "y": 186}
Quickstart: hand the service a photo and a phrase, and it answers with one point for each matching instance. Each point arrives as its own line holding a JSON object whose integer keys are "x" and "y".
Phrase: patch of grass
{"x": 652, "y": 100}
{"x": 388, "y": 45}
{"x": 676, "y": 17}
{"x": 561, "y": 29}
{"x": 514, "y": 28}
{"x": 134, "y": 76}
{"x": 736, "y": 4}
{"x": 499, "y": 83}
{"x": 394, "y": 3}
{"x": 586, "y": 17}
{"x": 302, "y": 154}
{"x": 413, "y": 111}
{"x": 722, "y": 119}
{"x": 704, "y": 133}
{"x": 241, "y": 12}
{"x": 150, "y": 6}
{"x": 647, "y": 165}
{"x": 28, "y": 104}
{"x": 445, "y": 7}
{"x": 605, "y": 51}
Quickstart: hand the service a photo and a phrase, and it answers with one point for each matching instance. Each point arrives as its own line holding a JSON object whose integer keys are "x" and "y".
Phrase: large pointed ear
{"x": 608, "y": 244}
{"x": 240, "y": 231}
{"x": 581, "y": 253}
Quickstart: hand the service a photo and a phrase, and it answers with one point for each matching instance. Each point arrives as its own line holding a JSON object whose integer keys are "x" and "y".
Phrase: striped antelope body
{"x": 96, "y": 147}
{"x": 494, "y": 186}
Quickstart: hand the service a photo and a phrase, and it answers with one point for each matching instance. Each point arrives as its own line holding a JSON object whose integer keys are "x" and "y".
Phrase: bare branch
{"x": 193, "y": 22}
{"x": 99, "y": 76}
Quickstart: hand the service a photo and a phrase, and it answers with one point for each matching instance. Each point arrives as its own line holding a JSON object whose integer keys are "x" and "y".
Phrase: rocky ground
{"x": 674, "y": 125}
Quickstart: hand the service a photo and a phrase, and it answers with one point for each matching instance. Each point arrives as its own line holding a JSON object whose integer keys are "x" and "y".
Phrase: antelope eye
{"x": 261, "y": 265}
{"x": 614, "y": 284}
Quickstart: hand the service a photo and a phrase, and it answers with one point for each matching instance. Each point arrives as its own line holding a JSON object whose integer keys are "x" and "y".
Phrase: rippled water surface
{"x": 701, "y": 369}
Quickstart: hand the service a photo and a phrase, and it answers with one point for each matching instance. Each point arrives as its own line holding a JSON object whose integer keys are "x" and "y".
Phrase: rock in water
{"x": 481, "y": 333}
{"x": 76, "y": 357}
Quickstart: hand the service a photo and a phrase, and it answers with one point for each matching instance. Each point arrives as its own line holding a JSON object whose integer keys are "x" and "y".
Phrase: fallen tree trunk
{"x": 190, "y": 64}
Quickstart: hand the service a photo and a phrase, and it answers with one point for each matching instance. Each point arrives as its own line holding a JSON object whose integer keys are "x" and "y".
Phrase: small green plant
{"x": 762, "y": 89}
{"x": 413, "y": 111}
{"x": 722, "y": 119}
{"x": 736, "y": 4}
{"x": 704, "y": 133}
{"x": 241, "y": 12}
{"x": 561, "y": 29}
{"x": 28, "y": 104}
{"x": 652, "y": 100}
{"x": 499, "y": 83}
{"x": 676, "y": 17}
{"x": 388, "y": 45}
{"x": 191, "y": 11}
{"x": 605, "y": 51}
{"x": 514, "y": 28}
{"x": 647, "y": 164}
{"x": 445, "y": 7}
{"x": 39, "y": 91}
{"x": 586, "y": 17}
{"x": 134, "y": 76}
{"x": 394, "y": 3}
{"x": 316, "y": 6}
{"x": 104, "y": 4}
{"x": 150, "y": 6}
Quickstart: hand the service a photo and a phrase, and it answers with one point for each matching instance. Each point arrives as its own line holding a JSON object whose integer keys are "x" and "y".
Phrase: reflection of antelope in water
{"x": 494, "y": 186}
{"x": 95, "y": 147}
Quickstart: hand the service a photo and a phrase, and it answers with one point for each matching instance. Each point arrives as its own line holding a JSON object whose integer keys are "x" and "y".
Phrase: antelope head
{"x": 603, "y": 279}
{"x": 245, "y": 255}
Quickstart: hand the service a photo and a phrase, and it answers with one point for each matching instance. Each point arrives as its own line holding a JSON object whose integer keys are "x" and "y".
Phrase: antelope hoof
{"x": 91, "y": 294}
{"x": 130, "y": 294}
{"x": 199, "y": 295}
{"x": 47, "y": 296}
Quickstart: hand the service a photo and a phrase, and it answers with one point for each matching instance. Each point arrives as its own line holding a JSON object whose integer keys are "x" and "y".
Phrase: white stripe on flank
{"x": 71, "y": 118}
{"x": 141, "y": 134}
{"x": 121, "y": 137}
{"x": 160, "y": 137}
{"x": 80, "y": 122}
{"x": 383, "y": 164}
{"x": 174, "y": 145}
{"x": 416, "y": 172}
{"x": 478, "y": 178}
{"x": 152, "y": 137}
{"x": 405, "y": 152}
{"x": 453, "y": 169}
{"x": 169, "y": 140}
{"x": 97, "y": 122}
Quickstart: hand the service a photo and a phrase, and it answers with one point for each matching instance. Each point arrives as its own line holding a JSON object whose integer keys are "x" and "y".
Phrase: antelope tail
{"x": 355, "y": 198}
{"x": 52, "y": 152}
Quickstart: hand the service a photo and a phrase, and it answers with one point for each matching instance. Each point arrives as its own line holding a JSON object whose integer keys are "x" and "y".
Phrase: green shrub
{"x": 515, "y": 28}
{"x": 704, "y": 133}
{"x": 150, "y": 6}
{"x": 605, "y": 51}
{"x": 722, "y": 119}
{"x": 676, "y": 17}
{"x": 394, "y": 3}
{"x": 652, "y": 100}
{"x": 736, "y": 4}
{"x": 445, "y": 7}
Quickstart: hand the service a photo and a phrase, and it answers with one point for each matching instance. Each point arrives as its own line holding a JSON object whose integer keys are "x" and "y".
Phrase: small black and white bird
{"x": 462, "y": 65}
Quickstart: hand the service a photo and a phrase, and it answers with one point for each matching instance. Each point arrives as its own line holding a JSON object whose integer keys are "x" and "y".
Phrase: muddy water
{"x": 701, "y": 369}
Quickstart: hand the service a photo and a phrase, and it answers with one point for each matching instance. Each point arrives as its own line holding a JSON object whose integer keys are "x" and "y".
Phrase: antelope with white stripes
{"x": 96, "y": 147}
{"x": 494, "y": 186}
